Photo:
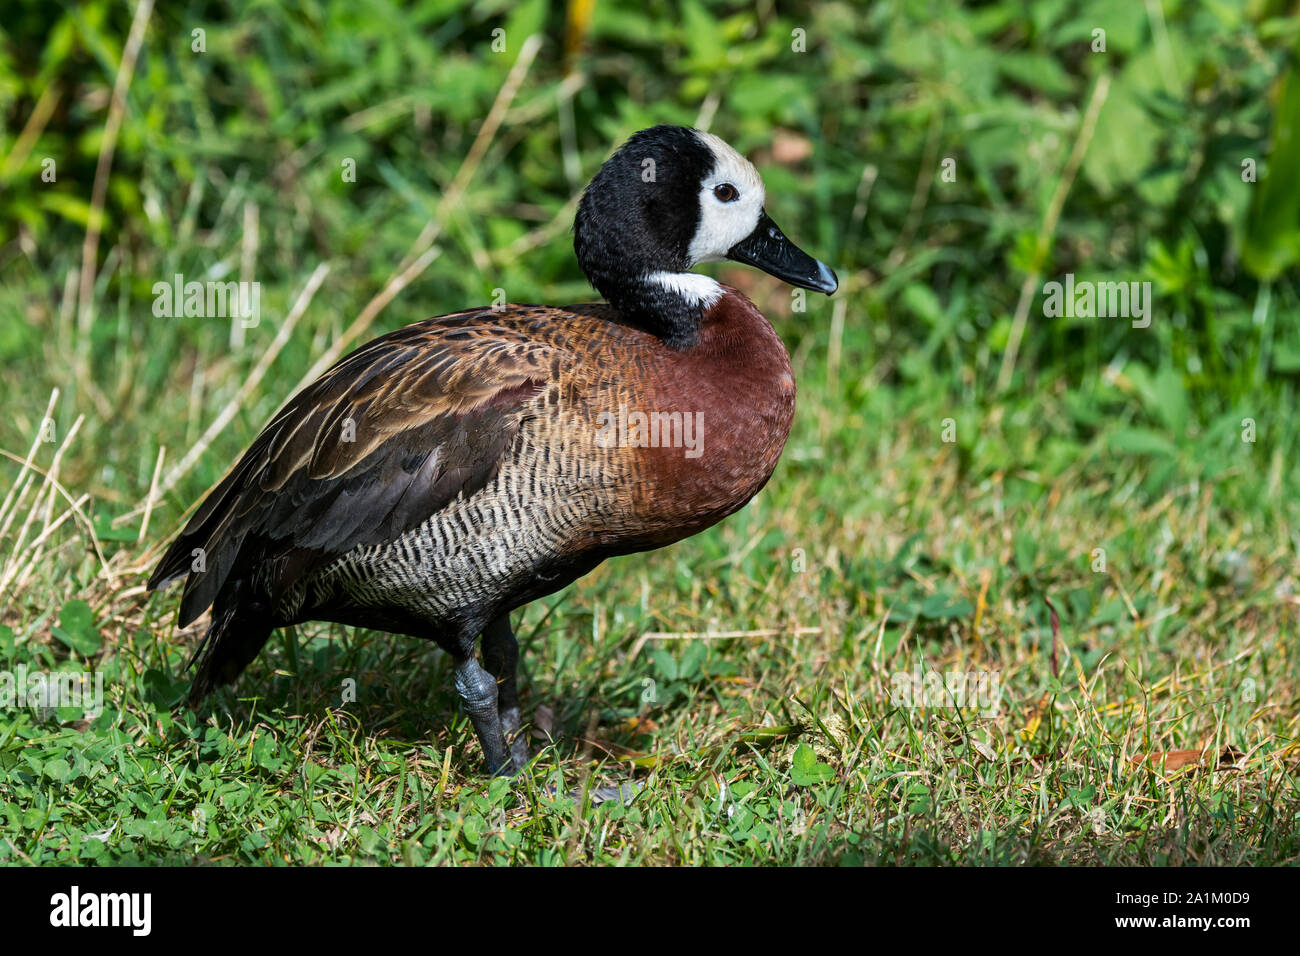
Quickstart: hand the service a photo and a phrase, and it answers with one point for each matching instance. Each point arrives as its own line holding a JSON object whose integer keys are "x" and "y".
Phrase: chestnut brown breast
{"x": 735, "y": 383}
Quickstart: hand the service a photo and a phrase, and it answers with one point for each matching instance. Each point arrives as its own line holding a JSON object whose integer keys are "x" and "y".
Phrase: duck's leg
{"x": 501, "y": 658}
{"x": 478, "y": 691}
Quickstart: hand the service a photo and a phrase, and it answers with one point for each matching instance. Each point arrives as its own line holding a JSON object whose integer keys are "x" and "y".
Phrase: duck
{"x": 449, "y": 472}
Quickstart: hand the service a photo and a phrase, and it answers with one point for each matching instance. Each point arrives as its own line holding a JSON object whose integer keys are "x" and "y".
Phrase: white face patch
{"x": 723, "y": 224}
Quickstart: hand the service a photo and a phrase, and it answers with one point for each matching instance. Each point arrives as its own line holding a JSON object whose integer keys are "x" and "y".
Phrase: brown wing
{"x": 385, "y": 438}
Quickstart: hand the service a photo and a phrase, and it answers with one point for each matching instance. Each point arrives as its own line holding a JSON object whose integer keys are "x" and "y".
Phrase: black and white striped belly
{"x": 516, "y": 538}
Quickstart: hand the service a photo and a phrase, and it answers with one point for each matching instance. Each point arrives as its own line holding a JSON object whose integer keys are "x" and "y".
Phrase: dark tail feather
{"x": 232, "y": 641}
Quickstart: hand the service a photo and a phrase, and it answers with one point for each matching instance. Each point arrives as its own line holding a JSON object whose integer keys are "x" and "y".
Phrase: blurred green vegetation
{"x": 1170, "y": 157}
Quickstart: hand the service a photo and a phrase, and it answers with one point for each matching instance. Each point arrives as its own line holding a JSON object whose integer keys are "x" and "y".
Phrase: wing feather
{"x": 392, "y": 433}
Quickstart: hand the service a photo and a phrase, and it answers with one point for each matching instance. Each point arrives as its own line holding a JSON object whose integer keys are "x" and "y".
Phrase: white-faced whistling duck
{"x": 449, "y": 472}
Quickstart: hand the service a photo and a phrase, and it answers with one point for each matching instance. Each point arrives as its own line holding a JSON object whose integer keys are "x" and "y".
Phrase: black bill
{"x": 768, "y": 249}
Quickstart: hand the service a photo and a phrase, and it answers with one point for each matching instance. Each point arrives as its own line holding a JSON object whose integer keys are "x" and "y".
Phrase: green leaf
{"x": 692, "y": 657}
{"x": 1036, "y": 71}
{"x": 105, "y": 531}
{"x": 72, "y": 208}
{"x": 665, "y": 664}
{"x": 942, "y": 607}
{"x": 473, "y": 829}
{"x": 1082, "y": 797}
{"x": 76, "y": 628}
{"x": 807, "y": 769}
{"x": 1026, "y": 549}
{"x": 1140, "y": 441}
{"x": 1272, "y": 239}
{"x": 369, "y": 839}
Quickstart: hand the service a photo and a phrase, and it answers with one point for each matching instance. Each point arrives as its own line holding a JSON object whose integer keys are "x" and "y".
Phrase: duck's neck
{"x": 671, "y": 305}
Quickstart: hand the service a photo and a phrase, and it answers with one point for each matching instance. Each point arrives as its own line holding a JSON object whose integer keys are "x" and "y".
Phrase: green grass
{"x": 1155, "y": 656}
{"x": 928, "y": 507}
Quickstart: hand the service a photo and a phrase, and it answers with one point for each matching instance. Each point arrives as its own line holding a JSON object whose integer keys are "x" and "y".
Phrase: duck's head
{"x": 669, "y": 198}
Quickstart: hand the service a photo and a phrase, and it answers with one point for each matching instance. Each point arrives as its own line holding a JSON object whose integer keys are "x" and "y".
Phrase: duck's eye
{"x": 726, "y": 192}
